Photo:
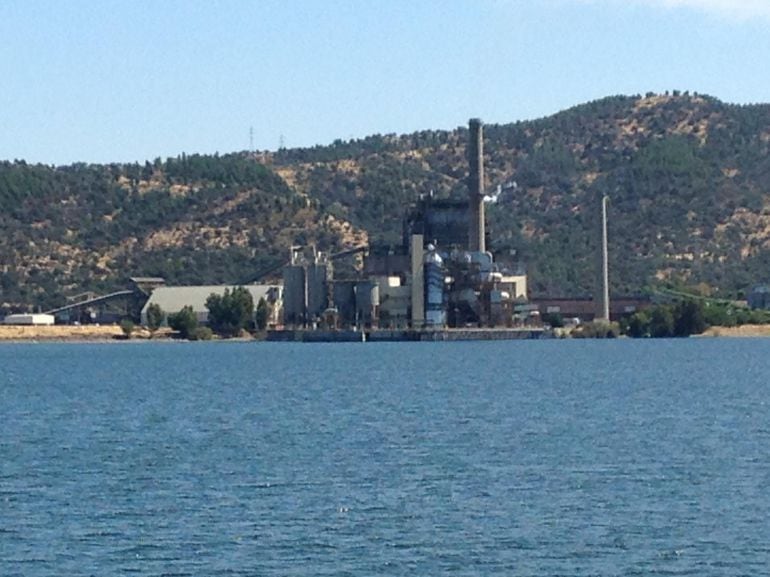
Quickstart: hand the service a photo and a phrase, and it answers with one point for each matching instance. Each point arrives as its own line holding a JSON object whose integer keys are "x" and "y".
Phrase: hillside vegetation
{"x": 195, "y": 219}
{"x": 688, "y": 179}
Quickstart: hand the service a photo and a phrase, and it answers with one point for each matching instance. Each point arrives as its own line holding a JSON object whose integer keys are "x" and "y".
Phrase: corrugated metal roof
{"x": 173, "y": 299}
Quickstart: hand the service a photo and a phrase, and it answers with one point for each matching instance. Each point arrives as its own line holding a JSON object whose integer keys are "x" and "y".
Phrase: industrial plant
{"x": 441, "y": 278}
{"x": 439, "y": 283}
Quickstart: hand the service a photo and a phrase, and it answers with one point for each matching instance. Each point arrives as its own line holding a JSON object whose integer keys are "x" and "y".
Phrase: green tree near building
{"x": 638, "y": 325}
{"x": 689, "y": 319}
{"x": 231, "y": 313}
{"x": 155, "y": 317}
{"x": 127, "y": 326}
{"x": 662, "y": 322}
{"x": 262, "y": 314}
{"x": 184, "y": 322}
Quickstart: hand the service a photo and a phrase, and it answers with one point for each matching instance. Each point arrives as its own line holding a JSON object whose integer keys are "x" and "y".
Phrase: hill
{"x": 687, "y": 175}
{"x": 194, "y": 219}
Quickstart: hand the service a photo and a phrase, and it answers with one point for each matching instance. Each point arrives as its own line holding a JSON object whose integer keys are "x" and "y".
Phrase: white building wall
{"x": 30, "y": 319}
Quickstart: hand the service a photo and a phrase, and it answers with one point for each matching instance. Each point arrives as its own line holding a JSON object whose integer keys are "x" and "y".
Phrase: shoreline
{"x": 56, "y": 333}
{"x": 743, "y": 331}
{"x": 13, "y": 334}
{"x": 76, "y": 334}
{"x": 95, "y": 334}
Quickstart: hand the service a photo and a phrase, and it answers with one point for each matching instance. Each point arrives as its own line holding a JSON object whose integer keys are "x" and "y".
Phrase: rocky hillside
{"x": 688, "y": 178}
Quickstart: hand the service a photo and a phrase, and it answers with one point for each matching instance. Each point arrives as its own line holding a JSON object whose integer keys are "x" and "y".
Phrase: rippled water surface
{"x": 498, "y": 458}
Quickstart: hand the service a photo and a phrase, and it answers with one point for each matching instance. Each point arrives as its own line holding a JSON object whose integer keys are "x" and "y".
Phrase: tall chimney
{"x": 603, "y": 312}
{"x": 476, "y": 186}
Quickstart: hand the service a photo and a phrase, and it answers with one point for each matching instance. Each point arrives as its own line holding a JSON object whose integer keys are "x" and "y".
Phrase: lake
{"x": 479, "y": 458}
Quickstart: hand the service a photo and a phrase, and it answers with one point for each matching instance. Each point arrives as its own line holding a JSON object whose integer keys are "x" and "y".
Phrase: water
{"x": 497, "y": 458}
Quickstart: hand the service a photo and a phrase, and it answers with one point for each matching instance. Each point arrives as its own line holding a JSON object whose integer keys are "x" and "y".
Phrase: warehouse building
{"x": 29, "y": 319}
{"x": 174, "y": 299}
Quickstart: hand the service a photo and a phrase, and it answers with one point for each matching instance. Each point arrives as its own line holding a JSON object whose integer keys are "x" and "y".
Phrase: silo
{"x": 367, "y": 302}
{"x": 344, "y": 296}
{"x": 294, "y": 295}
{"x": 318, "y": 276}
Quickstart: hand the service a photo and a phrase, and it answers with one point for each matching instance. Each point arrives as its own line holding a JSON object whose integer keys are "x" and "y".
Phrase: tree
{"x": 262, "y": 314}
{"x": 230, "y": 313}
{"x": 127, "y": 326}
{"x": 638, "y": 325}
{"x": 155, "y": 317}
{"x": 201, "y": 334}
{"x": 662, "y": 322}
{"x": 184, "y": 322}
{"x": 689, "y": 319}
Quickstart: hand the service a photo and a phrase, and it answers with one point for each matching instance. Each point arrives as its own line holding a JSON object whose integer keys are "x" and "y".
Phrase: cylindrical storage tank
{"x": 435, "y": 313}
{"x": 294, "y": 295}
{"x": 344, "y": 296}
{"x": 317, "y": 290}
{"x": 367, "y": 301}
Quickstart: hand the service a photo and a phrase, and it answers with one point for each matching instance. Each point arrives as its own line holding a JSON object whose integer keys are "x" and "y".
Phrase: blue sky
{"x": 104, "y": 81}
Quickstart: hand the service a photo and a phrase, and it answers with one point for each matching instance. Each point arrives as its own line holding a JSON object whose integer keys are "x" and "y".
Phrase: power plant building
{"x": 441, "y": 276}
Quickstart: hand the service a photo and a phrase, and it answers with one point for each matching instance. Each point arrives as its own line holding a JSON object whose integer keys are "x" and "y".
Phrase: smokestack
{"x": 604, "y": 306}
{"x": 476, "y": 186}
